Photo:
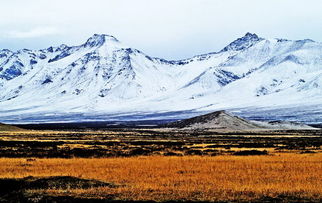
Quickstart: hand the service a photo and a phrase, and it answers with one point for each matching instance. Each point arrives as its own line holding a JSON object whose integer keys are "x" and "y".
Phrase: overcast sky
{"x": 170, "y": 29}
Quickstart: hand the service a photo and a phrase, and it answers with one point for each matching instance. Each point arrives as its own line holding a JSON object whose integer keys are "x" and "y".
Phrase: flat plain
{"x": 161, "y": 165}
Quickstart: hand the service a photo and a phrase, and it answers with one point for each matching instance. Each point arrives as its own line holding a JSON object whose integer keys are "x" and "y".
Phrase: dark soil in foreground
{"x": 16, "y": 190}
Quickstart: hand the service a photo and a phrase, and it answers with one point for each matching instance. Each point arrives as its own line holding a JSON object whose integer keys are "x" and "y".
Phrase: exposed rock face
{"x": 215, "y": 120}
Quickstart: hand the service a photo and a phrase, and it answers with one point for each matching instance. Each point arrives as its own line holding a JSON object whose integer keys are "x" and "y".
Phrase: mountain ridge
{"x": 104, "y": 76}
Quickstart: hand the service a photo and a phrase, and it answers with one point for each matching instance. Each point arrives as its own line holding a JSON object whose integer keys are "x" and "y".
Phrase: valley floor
{"x": 160, "y": 165}
{"x": 287, "y": 177}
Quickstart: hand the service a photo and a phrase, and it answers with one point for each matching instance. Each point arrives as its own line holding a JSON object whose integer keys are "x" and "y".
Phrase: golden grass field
{"x": 160, "y": 178}
{"x": 160, "y": 165}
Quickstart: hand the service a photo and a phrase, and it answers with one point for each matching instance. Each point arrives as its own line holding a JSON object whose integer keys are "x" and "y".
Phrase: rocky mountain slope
{"x": 103, "y": 77}
{"x": 219, "y": 120}
{"x": 222, "y": 120}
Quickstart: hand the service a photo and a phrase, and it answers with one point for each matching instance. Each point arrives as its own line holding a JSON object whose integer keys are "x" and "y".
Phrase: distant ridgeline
{"x": 268, "y": 77}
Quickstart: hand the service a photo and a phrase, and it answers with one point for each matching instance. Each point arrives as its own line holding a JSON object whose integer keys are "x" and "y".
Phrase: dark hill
{"x": 215, "y": 120}
{"x": 5, "y": 127}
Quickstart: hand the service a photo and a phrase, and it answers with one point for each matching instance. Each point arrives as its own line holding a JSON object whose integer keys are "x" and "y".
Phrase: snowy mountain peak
{"x": 5, "y": 53}
{"x": 63, "y": 46}
{"x": 104, "y": 76}
{"x": 242, "y": 43}
{"x": 99, "y": 40}
{"x": 249, "y": 35}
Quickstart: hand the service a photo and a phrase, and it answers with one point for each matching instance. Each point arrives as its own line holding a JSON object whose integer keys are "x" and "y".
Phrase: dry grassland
{"x": 220, "y": 178}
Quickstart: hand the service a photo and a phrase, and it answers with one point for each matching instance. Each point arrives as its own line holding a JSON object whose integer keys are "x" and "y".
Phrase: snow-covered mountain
{"x": 255, "y": 77}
